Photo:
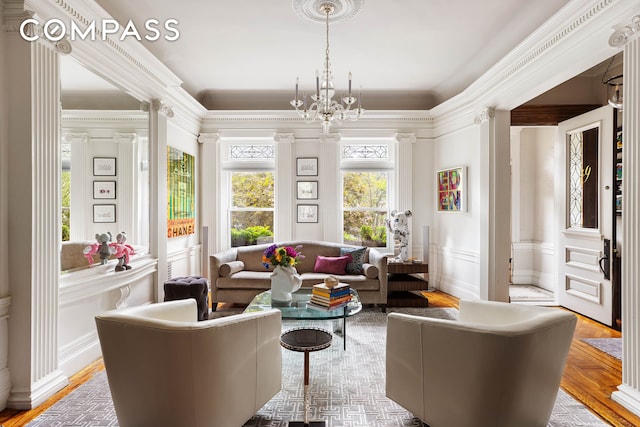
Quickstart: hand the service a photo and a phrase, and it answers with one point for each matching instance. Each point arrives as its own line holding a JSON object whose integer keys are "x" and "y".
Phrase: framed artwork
{"x": 307, "y": 166}
{"x": 307, "y": 213}
{"x": 181, "y": 187}
{"x": 307, "y": 190}
{"x": 451, "y": 189}
{"x": 104, "y": 213}
{"x": 104, "y": 166}
{"x": 104, "y": 189}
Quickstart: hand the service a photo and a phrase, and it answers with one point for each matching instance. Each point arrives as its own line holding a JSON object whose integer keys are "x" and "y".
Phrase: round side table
{"x": 306, "y": 340}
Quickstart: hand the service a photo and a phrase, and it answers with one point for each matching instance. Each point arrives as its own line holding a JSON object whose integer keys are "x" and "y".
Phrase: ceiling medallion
{"x": 313, "y": 9}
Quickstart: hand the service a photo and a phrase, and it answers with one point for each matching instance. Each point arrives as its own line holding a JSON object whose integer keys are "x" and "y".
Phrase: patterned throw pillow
{"x": 357, "y": 259}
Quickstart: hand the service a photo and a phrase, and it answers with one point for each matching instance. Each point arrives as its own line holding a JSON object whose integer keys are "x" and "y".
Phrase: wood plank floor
{"x": 590, "y": 376}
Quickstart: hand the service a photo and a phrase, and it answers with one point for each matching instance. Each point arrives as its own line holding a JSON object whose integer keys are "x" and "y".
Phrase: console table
{"x": 406, "y": 286}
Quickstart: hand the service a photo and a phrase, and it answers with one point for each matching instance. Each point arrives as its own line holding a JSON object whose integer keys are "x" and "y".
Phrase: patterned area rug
{"x": 611, "y": 346}
{"x": 347, "y": 387}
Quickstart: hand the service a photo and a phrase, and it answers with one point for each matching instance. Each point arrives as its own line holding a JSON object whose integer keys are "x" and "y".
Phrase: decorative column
{"x": 628, "y": 393}
{"x": 79, "y": 216}
{"x": 159, "y": 116}
{"x": 126, "y": 194}
{"x": 35, "y": 232}
{"x": 209, "y": 167}
{"x": 285, "y": 170}
{"x": 329, "y": 174}
{"x": 495, "y": 205}
{"x": 404, "y": 179}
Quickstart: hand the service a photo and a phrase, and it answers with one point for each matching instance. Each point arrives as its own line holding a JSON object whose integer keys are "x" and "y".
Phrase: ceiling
{"x": 405, "y": 54}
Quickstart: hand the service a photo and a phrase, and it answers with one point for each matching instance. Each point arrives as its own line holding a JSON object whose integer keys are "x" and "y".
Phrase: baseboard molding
{"x": 80, "y": 353}
{"x": 627, "y": 397}
{"x": 38, "y": 393}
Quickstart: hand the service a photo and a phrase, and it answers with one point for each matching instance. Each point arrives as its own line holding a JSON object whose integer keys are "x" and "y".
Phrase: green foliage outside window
{"x": 252, "y": 203}
{"x": 365, "y": 208}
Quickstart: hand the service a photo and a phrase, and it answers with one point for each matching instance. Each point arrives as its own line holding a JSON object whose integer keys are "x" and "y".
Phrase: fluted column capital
{"x": 209, "y": 138}
{"x": 284, "y": 137}
{"x": 406, "y": 137}
{"x": 330, "y": 138}
{"x": 122, "y": 138}
{"x": 162, "y": 108}
{"x": 484, "y": 115}
{"x": 621, "y": 36}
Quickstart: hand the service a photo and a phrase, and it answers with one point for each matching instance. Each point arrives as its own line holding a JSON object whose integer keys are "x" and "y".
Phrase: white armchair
{"x": 167, "y": 369}
{"x": 499, "y": 365}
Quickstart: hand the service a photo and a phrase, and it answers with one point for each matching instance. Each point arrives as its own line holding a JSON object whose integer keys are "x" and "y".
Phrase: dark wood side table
{"x": 406, "y": 284}
{"x": 306, "y": 340}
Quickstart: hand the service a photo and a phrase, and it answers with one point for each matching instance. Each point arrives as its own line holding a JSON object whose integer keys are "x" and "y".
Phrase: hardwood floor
{"x": 590, "y": 376}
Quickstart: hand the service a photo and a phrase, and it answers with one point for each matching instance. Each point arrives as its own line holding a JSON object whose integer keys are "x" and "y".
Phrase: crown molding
{"x": 572, "y": 41}
{"x": 127, "y": 64}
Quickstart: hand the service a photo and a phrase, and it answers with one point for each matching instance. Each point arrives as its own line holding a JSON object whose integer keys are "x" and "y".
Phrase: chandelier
{"x": 323, "y": 107}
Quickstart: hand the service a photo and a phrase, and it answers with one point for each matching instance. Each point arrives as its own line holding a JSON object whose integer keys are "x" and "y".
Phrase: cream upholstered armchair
{"x": 499, "y": 365}
{"x": 167, "y": 369}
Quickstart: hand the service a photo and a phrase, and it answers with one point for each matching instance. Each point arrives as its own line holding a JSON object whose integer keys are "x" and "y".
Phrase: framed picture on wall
{"x": 104, "y": 189}
{"x": 451, "y": 189}
{"x": 307, "y": 166}
{"x": 307, "y": 213}
{"x": 307, "y": 190}
{"x": 104, "y": 213}
{"x": 104, "y": 166}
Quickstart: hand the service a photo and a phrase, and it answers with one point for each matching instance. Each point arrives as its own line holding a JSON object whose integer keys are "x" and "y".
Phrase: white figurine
{"x": 400, "y": 229}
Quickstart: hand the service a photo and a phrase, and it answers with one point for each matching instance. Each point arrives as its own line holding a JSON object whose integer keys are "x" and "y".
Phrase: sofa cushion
{"x": 246, "y": 280}
{"x": 228, "y": 268}
{"x": 331, "y": 265}
{"x": 370, "y": 270}
{"x": 357, "y": 259}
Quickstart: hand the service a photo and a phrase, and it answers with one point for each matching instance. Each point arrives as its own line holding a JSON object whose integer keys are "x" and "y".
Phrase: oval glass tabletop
{"x": 298, "y": 309}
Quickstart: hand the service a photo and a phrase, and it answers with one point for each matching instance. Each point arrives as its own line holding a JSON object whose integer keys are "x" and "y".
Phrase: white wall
{"x": 455, "y": 236}
{"x": 533, "y": 206}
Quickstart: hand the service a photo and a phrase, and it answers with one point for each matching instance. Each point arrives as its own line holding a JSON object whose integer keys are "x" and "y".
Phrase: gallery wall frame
{"x": 307, "y": 166}
{"x": 307, "y": 213}
{"x": 104, "y": 213}
{"x": 451, "y": 189}
{"x": 104, "y": 166}
{"x": 307, "y": 190}
{"x": 104, "y": 189}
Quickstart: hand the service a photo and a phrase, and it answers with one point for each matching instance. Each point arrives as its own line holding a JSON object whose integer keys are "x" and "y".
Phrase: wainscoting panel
{"x": 185, "y": 262}
{"x": 455, "y": 272}
{"x": 86, "y": 293}
{"x": 532, "y": 263}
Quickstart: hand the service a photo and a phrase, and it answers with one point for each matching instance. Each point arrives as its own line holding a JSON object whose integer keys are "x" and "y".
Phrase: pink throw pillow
{"x": 331, "y": 264}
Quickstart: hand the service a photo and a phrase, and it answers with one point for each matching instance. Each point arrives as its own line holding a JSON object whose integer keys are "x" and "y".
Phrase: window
{"x": 366, "y": 176}
{"x": 251, "y": 212}
{"x": 365, "y": 208}
{"x": 251, "y": 193}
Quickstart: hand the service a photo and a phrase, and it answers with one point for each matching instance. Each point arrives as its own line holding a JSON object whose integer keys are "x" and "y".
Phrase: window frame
{"x": 228, "y": 168}
{"x": 387, "y": 166}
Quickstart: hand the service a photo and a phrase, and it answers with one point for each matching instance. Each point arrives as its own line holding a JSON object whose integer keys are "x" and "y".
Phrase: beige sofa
{"x": 237, "y": 274}
{"x": 167, "y": 369}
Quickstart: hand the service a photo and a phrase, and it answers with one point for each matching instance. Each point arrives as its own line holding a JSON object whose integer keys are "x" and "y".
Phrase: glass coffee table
{"x": 297, "y": 308}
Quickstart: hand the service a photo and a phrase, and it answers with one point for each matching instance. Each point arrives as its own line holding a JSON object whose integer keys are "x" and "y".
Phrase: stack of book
{"x": 325, "y": 298}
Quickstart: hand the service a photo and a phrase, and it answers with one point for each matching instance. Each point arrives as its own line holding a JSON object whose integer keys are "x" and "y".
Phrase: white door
{"x": 584, "y": 201}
